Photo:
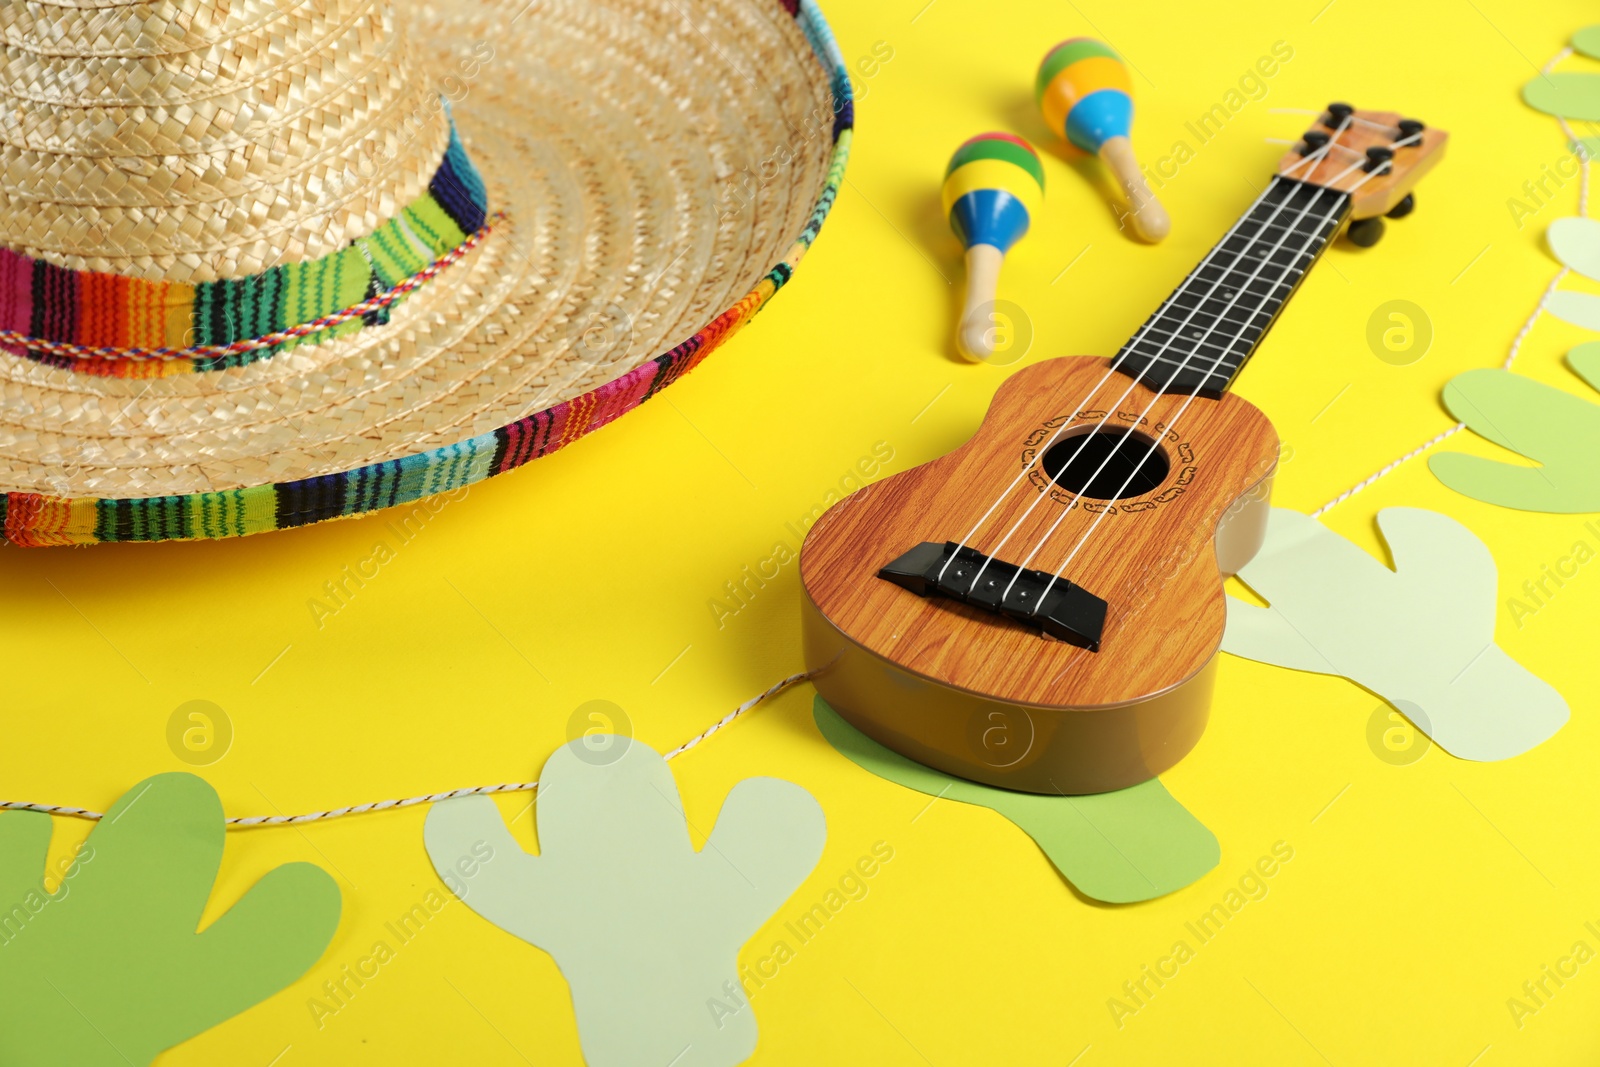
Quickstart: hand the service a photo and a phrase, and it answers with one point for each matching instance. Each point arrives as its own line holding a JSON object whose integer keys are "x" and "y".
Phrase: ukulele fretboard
{"x": 1201, "y": 337}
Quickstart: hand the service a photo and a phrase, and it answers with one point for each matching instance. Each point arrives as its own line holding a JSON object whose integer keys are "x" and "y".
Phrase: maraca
{"x": 993, "y": 186}
{"x": 1087, "y": 97}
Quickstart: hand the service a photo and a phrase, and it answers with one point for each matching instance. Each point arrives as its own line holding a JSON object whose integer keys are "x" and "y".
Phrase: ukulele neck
{"x": 1202, "y": 336}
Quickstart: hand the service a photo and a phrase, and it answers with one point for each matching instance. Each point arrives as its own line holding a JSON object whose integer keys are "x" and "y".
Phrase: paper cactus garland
{"x": 1571, "y": 95}
{"x": 1421, "y": 635}
{"x": 1576, "y": 243}
{"x": 645, "y": 929}
{"x": 1557, "y": 429}
{"x": 111, "y": 967}
{"x": 1130, "y": 845}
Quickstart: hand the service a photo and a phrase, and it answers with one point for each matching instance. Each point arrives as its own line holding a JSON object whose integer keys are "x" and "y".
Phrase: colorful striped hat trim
{"x": 89, "y": 360}
{"x": 115, "y": 326}
{"x": 35, "y": 519}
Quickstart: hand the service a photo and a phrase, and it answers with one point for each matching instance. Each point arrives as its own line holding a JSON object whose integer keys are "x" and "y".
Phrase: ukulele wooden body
{"x": 987, "y": 698}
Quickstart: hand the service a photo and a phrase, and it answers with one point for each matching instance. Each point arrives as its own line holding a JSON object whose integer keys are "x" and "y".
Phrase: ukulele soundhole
{"x": 1108, "y": 464}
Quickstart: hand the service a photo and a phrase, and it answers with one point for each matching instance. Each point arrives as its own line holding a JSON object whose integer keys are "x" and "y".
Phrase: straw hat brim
{"x": 661, "y": 169}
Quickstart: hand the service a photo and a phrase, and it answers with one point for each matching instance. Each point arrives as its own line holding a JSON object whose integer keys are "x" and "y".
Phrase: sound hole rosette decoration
{"x": 156, "y": 389}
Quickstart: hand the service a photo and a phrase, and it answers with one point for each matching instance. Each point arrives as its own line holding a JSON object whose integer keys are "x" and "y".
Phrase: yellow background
{"x": 1419, "y": 898}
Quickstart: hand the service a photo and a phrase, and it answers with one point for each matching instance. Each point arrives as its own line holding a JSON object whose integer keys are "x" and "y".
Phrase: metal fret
{"x": 1191, "y": 341}
{"x": 1201, "y": 336}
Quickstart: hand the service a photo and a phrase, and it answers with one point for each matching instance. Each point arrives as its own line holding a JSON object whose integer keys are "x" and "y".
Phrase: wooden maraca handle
{"x": 993, "y": 186}
{"x": 1149, "y": 218}
{"x": 975, "y": 337}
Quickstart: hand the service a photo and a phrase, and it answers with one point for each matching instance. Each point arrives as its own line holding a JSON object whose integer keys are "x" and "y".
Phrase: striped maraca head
{"x": 993, "y": 186}
{"x": 1085, "y": 93}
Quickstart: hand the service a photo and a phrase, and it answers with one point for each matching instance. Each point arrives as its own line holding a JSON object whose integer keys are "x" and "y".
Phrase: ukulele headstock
{"x": 1376, "y": 156}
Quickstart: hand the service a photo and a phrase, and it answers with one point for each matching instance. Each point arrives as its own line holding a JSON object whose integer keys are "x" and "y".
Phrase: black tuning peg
{"x": 1403, "y": 208}
{"x": 1337, "y": 113}
{"x": 1409, "y": 128}
{"x": 1314, "y": 141}
{"x": 1364, "y": 233}
{"x": 1377, "y": 156}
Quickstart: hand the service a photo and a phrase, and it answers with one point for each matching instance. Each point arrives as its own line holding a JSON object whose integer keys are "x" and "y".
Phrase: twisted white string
{"x": 244, "y": 822}
{"x": 1516, "y": 342}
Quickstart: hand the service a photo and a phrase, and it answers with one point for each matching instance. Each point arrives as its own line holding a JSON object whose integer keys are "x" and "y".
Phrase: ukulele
{"x": 1042, "y": 608}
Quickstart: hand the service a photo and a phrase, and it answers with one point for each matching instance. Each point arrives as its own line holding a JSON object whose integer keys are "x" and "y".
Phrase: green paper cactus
{"x": 1572, "y": 94}
{"x": 1420, "y": 635}
{"x": 1129, "y": 845}
{"x": 111, "y": 968}
{"x": 645, "y": 929}
{"x": 1558, "y": 430}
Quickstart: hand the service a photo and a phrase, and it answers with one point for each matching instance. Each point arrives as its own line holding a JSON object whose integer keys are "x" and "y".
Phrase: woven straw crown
{"x": 195, "y": 141}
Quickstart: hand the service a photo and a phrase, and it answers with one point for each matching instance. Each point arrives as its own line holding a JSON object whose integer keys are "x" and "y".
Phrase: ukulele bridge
{"x": 1054, "y": 605}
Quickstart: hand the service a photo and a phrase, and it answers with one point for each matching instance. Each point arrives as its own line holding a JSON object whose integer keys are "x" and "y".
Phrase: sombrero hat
{"x": 270, "y": 262}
